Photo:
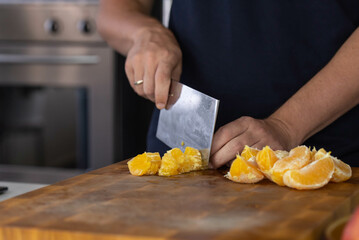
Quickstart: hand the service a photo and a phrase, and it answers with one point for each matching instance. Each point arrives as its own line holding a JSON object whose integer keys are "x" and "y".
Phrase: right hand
{"x": 155, "y": 58}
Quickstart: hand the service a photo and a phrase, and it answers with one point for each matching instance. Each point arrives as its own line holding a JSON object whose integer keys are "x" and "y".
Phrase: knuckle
{"x": 150, "y": 56}
{"x": 178, "y": 55}
{"x": 224, "y": 132}
{"x": 128, "y": 66}
{"x": 171, "y": 56}
{"x": 136, "y": 58}
{"x": 166, "y": 53}
{"x": 219, "y": 132}
{"x": 246, "y": 120}
{"x": 260, "y": 130}
{"x": 152, "y": 46}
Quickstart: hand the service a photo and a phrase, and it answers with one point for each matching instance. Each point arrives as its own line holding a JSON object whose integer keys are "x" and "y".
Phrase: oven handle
{"x": 48, "y": 59}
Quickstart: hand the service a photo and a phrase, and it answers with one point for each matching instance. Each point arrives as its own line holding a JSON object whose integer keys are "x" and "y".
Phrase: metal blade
{"x": 189, "y": 120}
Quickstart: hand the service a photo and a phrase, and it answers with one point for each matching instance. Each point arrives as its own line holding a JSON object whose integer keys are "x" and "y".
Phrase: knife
{"x": 188, "y": 120}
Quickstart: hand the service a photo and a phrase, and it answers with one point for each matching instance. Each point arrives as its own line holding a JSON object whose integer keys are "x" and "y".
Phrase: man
{"x": 286, "y": 72}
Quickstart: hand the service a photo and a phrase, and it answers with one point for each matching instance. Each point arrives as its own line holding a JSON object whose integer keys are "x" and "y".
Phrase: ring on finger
{"x": 139, "y": 82}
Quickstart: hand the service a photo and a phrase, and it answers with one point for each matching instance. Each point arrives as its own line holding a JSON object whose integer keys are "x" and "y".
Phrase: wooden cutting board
{"x": 111, "y": 204}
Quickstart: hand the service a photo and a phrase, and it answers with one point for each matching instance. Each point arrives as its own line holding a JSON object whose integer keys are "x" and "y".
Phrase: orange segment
{"x": 265, "y": 160}
{"x": 249, "y": 152}
{"x": 320, "y": 154}
{"x": 193, "y": 160}
{"x": 342, "y": 171}
{"x": 171, "y": 162}
{"x": 243, "y": 172}
{"x": 253, "y": 162}
{"x": 298, "y": 157}
{"x": 312, "y": 154}
{"x": 281, "y": 154}
{"x": 145, "y": 164}
{"x": 312, "y": 176}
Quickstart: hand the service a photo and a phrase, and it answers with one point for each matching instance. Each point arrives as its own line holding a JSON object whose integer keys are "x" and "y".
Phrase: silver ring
{"x": 139, "y": 82}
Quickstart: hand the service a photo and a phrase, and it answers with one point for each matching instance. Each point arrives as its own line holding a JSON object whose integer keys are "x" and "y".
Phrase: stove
{"x": 39, "y": 20}
{"x": 57, "y": 90}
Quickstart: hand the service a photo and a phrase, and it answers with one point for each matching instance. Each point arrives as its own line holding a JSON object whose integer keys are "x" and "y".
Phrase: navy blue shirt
{"x": 254, "y": 55}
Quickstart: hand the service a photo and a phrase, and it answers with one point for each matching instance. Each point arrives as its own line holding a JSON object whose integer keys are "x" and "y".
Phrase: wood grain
{"x": 110, "y": 204}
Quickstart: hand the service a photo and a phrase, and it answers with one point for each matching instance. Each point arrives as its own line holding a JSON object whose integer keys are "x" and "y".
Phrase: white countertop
{"x": 15, "y": 189}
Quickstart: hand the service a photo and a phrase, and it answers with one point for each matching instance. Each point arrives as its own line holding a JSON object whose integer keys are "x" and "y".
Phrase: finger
{"x": 162, "y": 84}
{"x": 130, "y": 73}
{"x": 177, "y": 71}
{"x": 231, "y": 148}
{"x": 274, "y": 146}
{"x": 258, "y": 145}
{"x": 149, "y": 80}
{"x": 226, "y": 153}
{"x": 226, "y": 133}
{"x": 138, "y": 69}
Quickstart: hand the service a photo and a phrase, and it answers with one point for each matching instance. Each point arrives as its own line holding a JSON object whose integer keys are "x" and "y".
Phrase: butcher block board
{"x": 110, "y": 204}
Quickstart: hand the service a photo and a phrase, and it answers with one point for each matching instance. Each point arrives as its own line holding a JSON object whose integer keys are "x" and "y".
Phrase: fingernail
{"x": 160, "y": 105}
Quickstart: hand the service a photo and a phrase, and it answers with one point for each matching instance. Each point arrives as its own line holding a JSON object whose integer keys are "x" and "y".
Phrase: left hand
{"x": 231, "y": 138}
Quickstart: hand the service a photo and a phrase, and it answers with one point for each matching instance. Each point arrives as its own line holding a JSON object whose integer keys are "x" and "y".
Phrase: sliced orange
{"x": 243, "y": 172}
{"x": 253, "y": 162}
{"x": 313, "y": 176}
{"x": 265, "y": 160}
{"x": 281, "y": 154}
{"x": 249, "y": 152}
{"x": 312, "y": 154}
{"x": 193, "y": 160}
{"x": 298, "y": 157}
{"x": 172, "y": 160}
{"x": 320, "y": 154}
{"x": 342, "y": 171}
{"x": 145, "y": 164}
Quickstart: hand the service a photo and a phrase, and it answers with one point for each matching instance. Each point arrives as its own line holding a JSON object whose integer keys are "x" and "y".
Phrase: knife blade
{"x": 188, "y": 120}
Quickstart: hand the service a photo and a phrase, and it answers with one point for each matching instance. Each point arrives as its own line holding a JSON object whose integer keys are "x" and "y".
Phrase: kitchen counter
{"x": 15, "y": 189}
{"x": 110, "y": 204}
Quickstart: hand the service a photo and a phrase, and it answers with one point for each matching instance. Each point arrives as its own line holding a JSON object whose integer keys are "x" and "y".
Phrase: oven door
{"x": 80, "y": 76}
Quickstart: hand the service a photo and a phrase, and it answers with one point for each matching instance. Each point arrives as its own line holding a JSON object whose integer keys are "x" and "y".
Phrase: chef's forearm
{"x": 119, "y": 21}
{"x": 327, "y": 96}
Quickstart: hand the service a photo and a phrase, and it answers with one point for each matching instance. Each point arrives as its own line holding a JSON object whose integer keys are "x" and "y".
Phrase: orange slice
{"x": 342, "y": 171}
{"x": 193, "y": 160}
{"x": 320, "y": 154}
{"x": 281, "y": 154}
{"x": 145, "y": 164}
{"x": 298, "y": 157}
{"x": 172, "y": 161}
{"x": 312, "y": 154}
{"x": 312, "y": 176}
{"x": 265, "y": 160}
{"x": 243, "y": 172}
{"x": 249, "y": 152}
{"x": 253, "y": 162}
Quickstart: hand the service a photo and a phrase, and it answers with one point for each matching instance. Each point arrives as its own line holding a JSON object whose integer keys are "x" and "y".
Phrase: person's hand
{"x": 155, "y": 58}
{"x": 231, "y": 138}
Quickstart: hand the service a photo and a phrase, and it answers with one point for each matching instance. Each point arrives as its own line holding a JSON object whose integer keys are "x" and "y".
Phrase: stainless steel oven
{"x": 56, "y": 91}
